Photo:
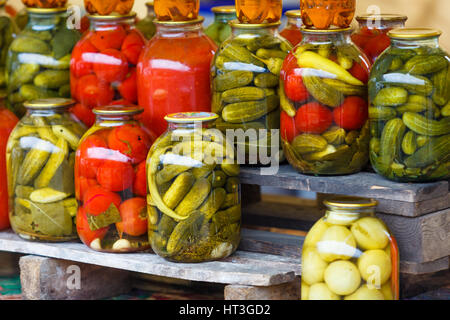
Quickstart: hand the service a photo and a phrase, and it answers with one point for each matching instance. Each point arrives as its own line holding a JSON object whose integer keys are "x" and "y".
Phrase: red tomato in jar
{"x": 294, "y": 88}
{"x": 134, "y": 217}
{"x": 110, "y": 37}
{"x": 84, "y": 231}
{"x": 140, "y": 180}
{"x": 377, "y": 45}
{"x": 288, "y": 128}
{"x": 131, "y": 140}
{"x": 93, "y": 93}
{"x": 359, "y": 72}
{"x": 313, "y": 118}
{"x": 82, "y": 184}
{"x": 128, "y": 88}
{"x": 111, "y": 66}
{"x": 83, "y": 114}
{"x": 132, "y": 46}
{"x": 82, "y": 56}
{"x": 352, "y": 114}
{"x": 97, "y": 200}
{"x": 115, "y": 176}
{"x": 90, "y": 156}
{"x": 289, "y": 64}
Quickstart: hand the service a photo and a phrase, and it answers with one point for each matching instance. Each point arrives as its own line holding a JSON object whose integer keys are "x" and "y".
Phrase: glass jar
{"x": 259, "y": 11}
{"x": 44, "y": 3}
{"x": 409, "y": 94}
{"x": 8, "y": 30}
{"x": 106, "y": 7}
{"x": 174, "y": 72}
{"x": 194, "y": 191}
{"x": 324, "y": 127}
{"x": 220, "y": 29}
{"x": 147, "y": 25}
{"x": 291, "y": 31}
{"x": 177, "y": 10}
{"x": 7, "y": 123}
{"x": 371, "y": 36}
{"x": 245, "y": 87}
{"x": 350, "y": 254}
{"x": 103, "y": 66}
{"x": 39, "y": 59}
{"x": 110, "y": 181}
{"x": 40, "y": 160}
{"x": 322, "y": 14}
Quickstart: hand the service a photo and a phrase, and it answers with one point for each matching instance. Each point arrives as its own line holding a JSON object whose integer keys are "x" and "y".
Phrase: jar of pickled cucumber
{"x": 324, "y": 127}
{"x": 292, "y": 31}
{"x": 40, "y": 160}
{"x": 371, "y": 36}
{"x": 103, "y": 65}
{"x": 39, "y": 58}
{"x": 194, "y": 201}
{"x": 8, "y": 30}
{"x": 146, "y": 25}
{"x": 173, "y": 73}
{"x": 110, "y": 181}
{"x": 106, "y": 7}
{"x": 177, "y": 10}
{"x": 322, "y": 14}
{"x": 350, "y": 254}
{"x": 245, "y": 84}
{"x": 409, "y": 93}
{"x": 259, "y": 11}
{"x": 220, "y": 29}
{"x": 44, "y": 3}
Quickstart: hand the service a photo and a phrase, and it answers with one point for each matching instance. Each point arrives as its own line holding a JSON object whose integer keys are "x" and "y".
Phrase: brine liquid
{"x": 252, "y": 11}
{"x": 106, "y": 7}
{"x": 324, "y": 13}
{"x": 176, "y": 10}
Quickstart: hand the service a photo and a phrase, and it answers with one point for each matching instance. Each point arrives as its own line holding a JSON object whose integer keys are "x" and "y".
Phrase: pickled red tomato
{"x": 130, "y": 140}
{"x": 111, "y": 65}
{"x": 288, "y": 128}
{"x": 313, "y": 118}
{"x": 140, "y": 180}
{"x": 352, "y": 114}
{"x": 97, "y": 200}
{"x": 128, "y": 88}
{"x": 83, "y": 113}
{"x": 93, "y": 92}
{"x": 82, "y": 184}
{"x": 84, "y": 231}
{"x": 82, "y": 58}
{"x": 90, "y": 156}
{"x": 132, "y": 47}
{"x": 134, "y": 217}
{"x": 115, "y": 175}
{"x": 108, "y": 37}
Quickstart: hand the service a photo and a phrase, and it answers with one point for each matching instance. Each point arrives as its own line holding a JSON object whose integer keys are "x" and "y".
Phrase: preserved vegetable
{"x": 177, "y": 10}
{"x": 292, "y": 31}
{"x": 45, "y": 3}
{"x": 322, "y": 14}
{"x": 409, "y": 91}
{"x": 194, "y": 191}
{"x": 259, "y": 11}
{"x": 40, "y": 160}
{"x": 147, "y": 25}
{"x": 220, "y": 30}
{"x": 106, "y": 7}
{"x": 8, "y": 30}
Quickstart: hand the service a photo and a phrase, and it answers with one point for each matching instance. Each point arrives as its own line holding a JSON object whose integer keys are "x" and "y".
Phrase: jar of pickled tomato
{"x": 220, "y": 29}
{"x": 147, "y": 25}
{"x": 103, "y": 65}
{"x": 350, "y": 254}
{"x": 106, "y": 7}
{"x": 259, "y": 11}
{"x": 110, "y": 181}
{"x": 322, "y": 14}
{"x": 173, "y": 72}
{"x": 44, "y": 3}
{"x": 177, "y": 10}
{"x": 371, "y": 36}
{"x": 291, "y": 31}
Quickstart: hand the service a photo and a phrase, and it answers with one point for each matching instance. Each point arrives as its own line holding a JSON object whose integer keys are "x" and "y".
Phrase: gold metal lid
{"x": 118, "y": 110}
{"x": 224, "y": 9}
{"x": 49, "y": 103}
{"x": 150, "y": 3}
{"x": 382, "y": 17}
{"x": 325, "y": 31}
{"x": 2, "y": 3}
{"x": 112, "y": 17}
{"x": 239, "y": 25}
{"x": 46, "y": 10}
{"x": 189, "y": 117}
{"x": 200, "y": 19}
{"x": 414, "y": 33}
{"x": 346, "y": 202}
{"x": 293, "y": 14}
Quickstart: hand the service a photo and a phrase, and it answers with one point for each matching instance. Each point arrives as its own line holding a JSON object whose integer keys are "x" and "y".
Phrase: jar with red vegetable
{"x": 371, "y": 36}
{"x": 103, "y": 65}
{"x": 324, "y": 127}
{"x": 110, "y": 181}
{"x": 173, "y": 72}
{"x": 291, "y": 31}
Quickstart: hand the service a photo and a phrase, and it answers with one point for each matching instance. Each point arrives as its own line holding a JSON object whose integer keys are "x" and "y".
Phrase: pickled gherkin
{"x": 41, "y": 172}
{"x": 38, "y": 60}
{"x": 8, "y": 30}
{"x": 245, "y": 83}
{"x": 408, "y": 114}
{"x": 199, "y": 215}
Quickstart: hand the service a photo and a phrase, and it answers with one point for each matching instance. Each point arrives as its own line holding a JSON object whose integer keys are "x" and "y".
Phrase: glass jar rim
{"x": 306, "y": 29}
{"x": 413, "y": 33}
{"x": 239, "y": 25}
{"x": 382, "y": 17}
{"x": 118, "y": 110}
{"x": 200, "y": 19}
{"x": 99, "y": 17}
{"x": 2, "y": 3}
{"x": 191, "y": 117}
{"x": 348, "y": 202}
{"x": 49, "y": 103}
{"x": 223, "y": 9}
{"x": 44, "y": 11}
{"x": 150, "y": 3}
{"x": 293, "y": 14}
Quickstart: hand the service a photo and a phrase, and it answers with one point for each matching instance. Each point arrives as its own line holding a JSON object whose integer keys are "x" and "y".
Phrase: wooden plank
{"x": 426, "y": 267}
{"x": 244, "y": 268}
{"x": 285, "y": 291}
{"x": 412, "y": 285}
{"x": 362, "y": 184}
{"x": 9, "y": 264}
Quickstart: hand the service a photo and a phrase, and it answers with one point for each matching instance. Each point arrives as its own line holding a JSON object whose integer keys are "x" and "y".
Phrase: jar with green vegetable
{"x": 8, "y": 30}
{"x": 38, "y": 59}
{"x": 40, "y": 160}
{"x": 324, "y": 117}
{"x": 409, "y": 93}
{"x": 147, "y": 25}
{"x": 245, "y": 83}
{"x": 220, "y": 29}
{"x": 194, "y": 206}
